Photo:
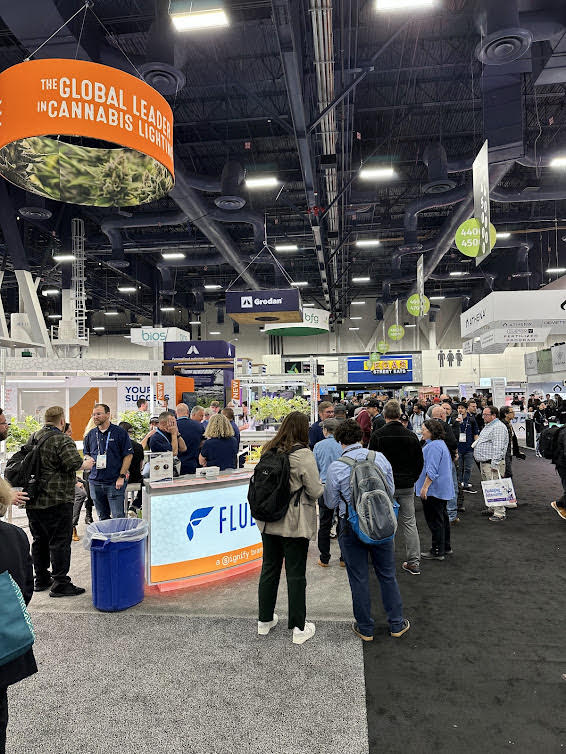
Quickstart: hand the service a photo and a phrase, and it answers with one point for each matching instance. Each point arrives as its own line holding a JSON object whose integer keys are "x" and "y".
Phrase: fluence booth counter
{"x": 200, "y": 530}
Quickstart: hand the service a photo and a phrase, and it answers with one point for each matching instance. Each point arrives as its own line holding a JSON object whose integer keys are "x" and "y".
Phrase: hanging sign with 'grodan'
{"x": 44, "y": 100}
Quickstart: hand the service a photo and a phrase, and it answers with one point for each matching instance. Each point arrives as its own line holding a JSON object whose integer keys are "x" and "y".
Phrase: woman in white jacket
{"x": 288, "y": 539}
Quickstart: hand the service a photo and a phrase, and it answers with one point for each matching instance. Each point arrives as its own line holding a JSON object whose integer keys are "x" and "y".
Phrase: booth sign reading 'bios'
{"x": 249, "y": 307}
{"x": 42, "y": 101}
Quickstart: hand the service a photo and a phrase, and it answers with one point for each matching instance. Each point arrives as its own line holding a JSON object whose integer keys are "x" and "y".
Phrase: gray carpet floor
{"x": 176, "y": 684}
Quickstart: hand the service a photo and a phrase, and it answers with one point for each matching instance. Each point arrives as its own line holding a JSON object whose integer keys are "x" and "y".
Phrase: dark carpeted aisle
{"x": 481, "y": 668}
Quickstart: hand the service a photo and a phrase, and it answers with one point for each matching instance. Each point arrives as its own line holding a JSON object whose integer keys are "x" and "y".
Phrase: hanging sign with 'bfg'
{"x": 468, "y": 237}
{"x": 44, "y": 100}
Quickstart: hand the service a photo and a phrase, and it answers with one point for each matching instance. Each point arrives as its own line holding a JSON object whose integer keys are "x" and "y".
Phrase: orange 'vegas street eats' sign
{"x": 48, "y": 107}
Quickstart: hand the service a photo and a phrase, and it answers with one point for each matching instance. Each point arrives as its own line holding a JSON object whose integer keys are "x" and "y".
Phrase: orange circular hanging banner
{"x": 44, "y": 99}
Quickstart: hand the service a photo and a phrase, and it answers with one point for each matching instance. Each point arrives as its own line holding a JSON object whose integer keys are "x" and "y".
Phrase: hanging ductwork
{"x": 435, "y": 159}
{"x": 231, "y": 187}
{"x": 505, "y": 40}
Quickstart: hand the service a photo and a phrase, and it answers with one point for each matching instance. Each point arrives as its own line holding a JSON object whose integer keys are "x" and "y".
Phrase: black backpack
{"x": 24, "y": 467}
{"x": 269, "y": 495}
{"x": 548, "y": 442}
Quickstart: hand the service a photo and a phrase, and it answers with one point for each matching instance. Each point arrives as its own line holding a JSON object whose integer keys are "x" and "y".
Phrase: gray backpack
{"x": 372, "y": 511}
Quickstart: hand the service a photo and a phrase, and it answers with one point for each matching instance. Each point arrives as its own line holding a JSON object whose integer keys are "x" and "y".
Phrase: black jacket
{"x": 15, "y": 558}
{"x": 402, "y": 449}
{"x": 452, "y": 435}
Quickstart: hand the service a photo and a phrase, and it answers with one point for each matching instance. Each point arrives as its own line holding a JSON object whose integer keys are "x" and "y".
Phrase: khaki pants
{"x": 487, "y": 472}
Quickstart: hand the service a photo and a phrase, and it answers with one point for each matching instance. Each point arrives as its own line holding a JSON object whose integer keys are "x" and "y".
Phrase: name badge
{"x": 462, "y": 437}
{"x": 101, "y": 461}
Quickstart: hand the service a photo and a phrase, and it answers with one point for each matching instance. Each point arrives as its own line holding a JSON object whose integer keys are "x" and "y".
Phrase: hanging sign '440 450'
{"x": 49, "y": 106}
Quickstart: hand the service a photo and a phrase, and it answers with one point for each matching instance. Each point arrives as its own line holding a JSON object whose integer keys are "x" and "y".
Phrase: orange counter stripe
{"x": 210, "y": 564}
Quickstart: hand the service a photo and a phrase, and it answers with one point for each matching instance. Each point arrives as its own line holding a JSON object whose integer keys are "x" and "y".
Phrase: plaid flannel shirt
{"x": 492, "y": 443}
{"x": 60, "y": 460}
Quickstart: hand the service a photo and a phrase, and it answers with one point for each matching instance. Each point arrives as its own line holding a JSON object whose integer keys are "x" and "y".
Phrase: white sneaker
{"x": 264, "y": 627}
{"x": 299, "y": 637}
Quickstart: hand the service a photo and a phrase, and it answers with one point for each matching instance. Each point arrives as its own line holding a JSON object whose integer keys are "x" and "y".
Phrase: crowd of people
{"x": 426, "y": 450}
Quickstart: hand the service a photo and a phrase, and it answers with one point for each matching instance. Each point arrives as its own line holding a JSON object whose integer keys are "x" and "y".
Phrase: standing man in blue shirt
{"x": 468, "y": 433}
{"x": 111, "y": 449}
{"x": 191, "y": 430}
{"x": 326, "y": 452}
{"x": 325, "y": 411}
{"x": 354, "y": 551}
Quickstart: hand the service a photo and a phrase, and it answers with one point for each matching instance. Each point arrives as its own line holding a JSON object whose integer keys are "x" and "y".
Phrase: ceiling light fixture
{"x": 99, "y": 327}
{"x": 407, "y": 325}
{"x": 167, "y": 308}
{"x": 300, "y": 283}
{"x": 558, "y": 162}
{"x": 173, "y": 255}
{"x": 356, "y": 317}
{"x": 191, "y": 15}
{"x": 437, "y": 298}
{"x": 353, "y": 328}
{"x": 195, "y": 322}
{"x": 64, "y": 257}
{"x": 212, "y": 287}
{"x": 457, "y": 274}
{"x": 111, "y": 314}
{"x": 555, "y": 270}
{"x": 308, "y": 304}
{"x": 214, "y": 332}
{"x": 376, "y": 174}
{"x": 266, "y": 181}
{"x": 358, "y": 303}
{"x": 50, "y": 292}
{"x": 287, "y": 247}
{"x": 54, "y": 316}
{"x": 397, "y": 5}
{"x": 368, "y": 242}
{"x": 361, "y": 280}
{"x": 127, "y": 288}
{"x": 503, "y": 235}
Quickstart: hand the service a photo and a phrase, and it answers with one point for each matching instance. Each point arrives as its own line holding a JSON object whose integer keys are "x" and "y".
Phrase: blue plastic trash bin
{"x": 117, "y": 557}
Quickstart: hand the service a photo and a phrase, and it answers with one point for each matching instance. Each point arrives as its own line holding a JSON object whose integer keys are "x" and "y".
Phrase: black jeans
{"x": 437, "y": 519}
{"x": 52, "y": 530}
{"x": 3, "y": 719}
{"x": 294, "y": 551}
{"x": 77, "y": 506}
{"x": 325, "y": 516}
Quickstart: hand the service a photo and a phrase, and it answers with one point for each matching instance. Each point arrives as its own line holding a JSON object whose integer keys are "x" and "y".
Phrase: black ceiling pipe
{"x": 255, "y": 219}
{"x": 112, "y": 226}
{"x": 10, "y": 230}
{"x": 231, "y": 187}
{"x": 429, "y": 202}
{"x": 528, "y": 195}
{"x": 199, "y": 214}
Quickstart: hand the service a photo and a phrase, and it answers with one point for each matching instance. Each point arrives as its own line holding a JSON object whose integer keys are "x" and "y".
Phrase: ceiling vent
{"x": 231, "y": 185}
{"x": 435, "y": 159}
{"x": 505, "y": 41}
{"x": 165, "y": 78}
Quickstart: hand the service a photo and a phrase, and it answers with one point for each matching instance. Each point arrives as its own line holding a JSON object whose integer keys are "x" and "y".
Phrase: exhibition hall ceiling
{"x": 355, "y": 194}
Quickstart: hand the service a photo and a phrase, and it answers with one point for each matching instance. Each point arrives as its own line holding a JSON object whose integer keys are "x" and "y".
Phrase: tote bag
{"x": 16, "y": 629}
{"x": 497, "y": 492}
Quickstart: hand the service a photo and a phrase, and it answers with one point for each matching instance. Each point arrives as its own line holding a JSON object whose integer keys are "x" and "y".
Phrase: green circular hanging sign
{"x": 396, "y": 332}
{"x": 468, "y": 237}
{"x": 414, "y": 305}
{"x": 383, "y": 346}
{"x": 374, "y": 356}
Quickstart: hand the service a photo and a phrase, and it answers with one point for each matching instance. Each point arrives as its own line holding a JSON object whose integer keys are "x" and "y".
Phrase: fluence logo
{"x": 246, "y": 302}
{"x": 196, "y": 517}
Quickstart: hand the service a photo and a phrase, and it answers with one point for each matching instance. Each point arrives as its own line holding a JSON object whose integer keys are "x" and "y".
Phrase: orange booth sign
{"x": 42, "y": 100}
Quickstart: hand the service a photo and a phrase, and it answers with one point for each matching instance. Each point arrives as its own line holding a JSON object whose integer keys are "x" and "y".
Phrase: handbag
{"x": 497, "y": 492}
{"x": 16, "y": 630}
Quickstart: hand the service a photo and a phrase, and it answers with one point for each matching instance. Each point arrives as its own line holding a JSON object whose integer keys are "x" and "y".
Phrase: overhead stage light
{"x": 361, "y": 280}
{"x": 503, "y": 235}
{"x": 193, "y": 15}
{"x": 555, "y": 270}
{"x": 173, "y": 255}
{"x": 287, "y": 247}
{"x": 368, "y": 242}
{"x": 63, "y": 257}
{"x": 376, "y": 174}
{"x": 265, "y": 181}
{"x": 397, "y": 5}
{"x": 558, "y": 162}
